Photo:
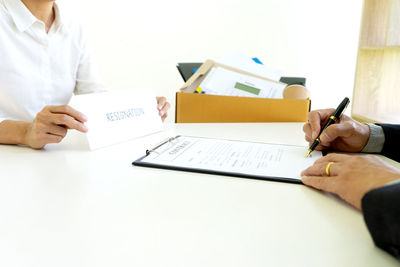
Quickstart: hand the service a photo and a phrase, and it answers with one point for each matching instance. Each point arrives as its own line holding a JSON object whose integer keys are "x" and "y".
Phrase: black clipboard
{"x": 141, "y": 163}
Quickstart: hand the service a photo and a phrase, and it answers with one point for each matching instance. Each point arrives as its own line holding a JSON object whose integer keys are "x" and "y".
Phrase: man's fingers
{"x": 310, "y": 140}
{"x": 333, "y": 157}
{"x": 308, "y": 131}
{"x": 322, "y": 183}
{"x": 319, "y": 147}
{"x": 319, "y": 169}
{"x": 65, "y": 109}
{"x": 316, "y": 118}
{"x": 337, "y": 130}
{"x": 314, "y": 121}
{"x": 314, "y": 170}
{"x": 69, "y": 122}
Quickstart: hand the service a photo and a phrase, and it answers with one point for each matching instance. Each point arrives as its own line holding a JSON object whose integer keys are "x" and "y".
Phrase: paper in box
{"x": 203, "y": 108}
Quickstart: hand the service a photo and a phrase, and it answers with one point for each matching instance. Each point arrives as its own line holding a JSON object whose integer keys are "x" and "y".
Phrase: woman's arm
{"x": 49, "y": 126}
{"x": 13, "y": 132}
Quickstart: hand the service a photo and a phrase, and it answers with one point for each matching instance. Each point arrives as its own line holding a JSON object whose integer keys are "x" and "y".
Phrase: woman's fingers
{"x": 68, "y": 121}
{"x": 68, "y": 110}
{"x": 163, "y": 106}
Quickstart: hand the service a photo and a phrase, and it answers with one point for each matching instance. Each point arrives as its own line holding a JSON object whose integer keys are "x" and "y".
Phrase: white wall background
{"x": 138, "y": 43}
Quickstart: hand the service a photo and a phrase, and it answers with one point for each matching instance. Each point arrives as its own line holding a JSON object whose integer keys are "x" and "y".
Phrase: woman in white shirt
{"x": 43, "y": 60}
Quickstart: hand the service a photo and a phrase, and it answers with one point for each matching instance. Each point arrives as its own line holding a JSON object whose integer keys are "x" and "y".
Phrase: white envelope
{"x": 115, "y": 117}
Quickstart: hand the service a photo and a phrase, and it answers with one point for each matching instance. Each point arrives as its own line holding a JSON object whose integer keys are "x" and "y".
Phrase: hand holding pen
{"x": 345, "y": 134}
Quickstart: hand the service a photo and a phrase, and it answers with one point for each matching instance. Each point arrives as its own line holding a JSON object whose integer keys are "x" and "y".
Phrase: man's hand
{"x": 351, "y": 177}
{"x": 51, "y": 125}
{"x": 346, "y": 135}
{"x": 163, "y": 107}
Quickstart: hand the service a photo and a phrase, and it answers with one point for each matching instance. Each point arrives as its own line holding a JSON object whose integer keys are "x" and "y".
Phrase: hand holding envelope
{"x": 114, "y": 117}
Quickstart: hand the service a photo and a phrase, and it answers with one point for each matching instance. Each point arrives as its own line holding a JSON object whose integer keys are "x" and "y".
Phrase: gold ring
{"x": 327, "y": 168}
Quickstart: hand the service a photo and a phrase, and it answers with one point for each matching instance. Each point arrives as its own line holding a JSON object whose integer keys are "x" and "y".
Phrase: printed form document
{"x": 227, "y": 157}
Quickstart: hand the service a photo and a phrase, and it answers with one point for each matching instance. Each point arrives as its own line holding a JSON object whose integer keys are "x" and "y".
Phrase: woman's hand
{"x": 51, "y": 125}
{"x": 163, "y": 106}
{"x": 351, "y": 177}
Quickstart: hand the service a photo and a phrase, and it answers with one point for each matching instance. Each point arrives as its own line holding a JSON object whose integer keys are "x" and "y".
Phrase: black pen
{"x": 332, "y": 119}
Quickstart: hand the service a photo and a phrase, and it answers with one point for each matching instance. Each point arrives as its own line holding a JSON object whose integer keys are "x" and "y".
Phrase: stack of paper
{"x": 250, "y": 79}
{"x": 221, "y": 81}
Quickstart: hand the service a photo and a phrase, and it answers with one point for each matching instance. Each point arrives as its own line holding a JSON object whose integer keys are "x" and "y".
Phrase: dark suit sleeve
{"x": 391, "y": 148}
{"x": 381, "y": 209}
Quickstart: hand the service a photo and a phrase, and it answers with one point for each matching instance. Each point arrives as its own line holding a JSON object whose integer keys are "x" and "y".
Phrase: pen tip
{"x": 308, "y": 153}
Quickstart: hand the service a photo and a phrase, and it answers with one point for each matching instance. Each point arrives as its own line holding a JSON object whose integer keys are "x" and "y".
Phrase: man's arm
{"x": 376, "y": 139}
{"x": 391, "y": 147}
{"x": 381, "y": 211}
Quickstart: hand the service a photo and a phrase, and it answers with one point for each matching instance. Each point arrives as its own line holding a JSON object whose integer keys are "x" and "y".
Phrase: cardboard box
{"x": 194, "y": 108}
{"x": 198, "y": 108}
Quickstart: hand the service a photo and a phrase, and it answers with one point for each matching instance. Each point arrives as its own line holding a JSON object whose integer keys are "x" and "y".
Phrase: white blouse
{"x": 39, "y": 69}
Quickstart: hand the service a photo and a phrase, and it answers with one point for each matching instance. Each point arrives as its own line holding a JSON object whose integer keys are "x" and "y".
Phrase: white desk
{"x": 66, "y": 206}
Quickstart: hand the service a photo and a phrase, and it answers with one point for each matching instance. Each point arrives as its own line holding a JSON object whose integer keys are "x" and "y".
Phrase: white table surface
{"x": 67, "y": 206}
